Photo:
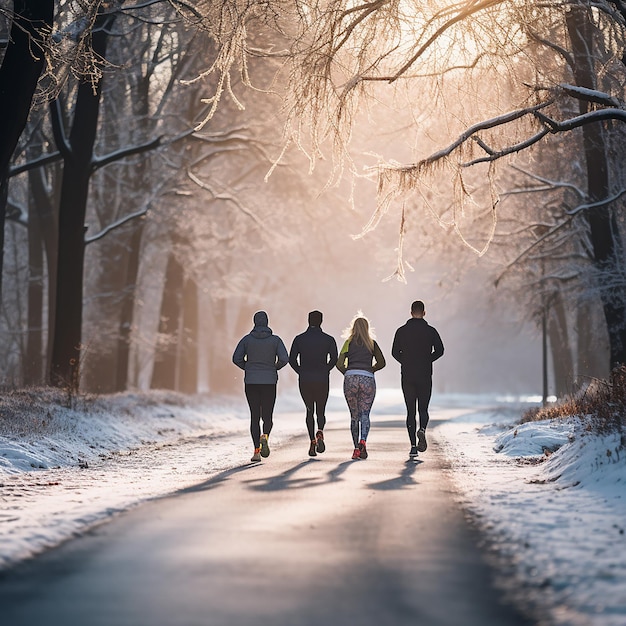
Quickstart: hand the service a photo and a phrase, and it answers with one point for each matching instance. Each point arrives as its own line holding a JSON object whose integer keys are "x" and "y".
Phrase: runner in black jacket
{"x": 416, "y": 346}
{"x": 313, "y": 355}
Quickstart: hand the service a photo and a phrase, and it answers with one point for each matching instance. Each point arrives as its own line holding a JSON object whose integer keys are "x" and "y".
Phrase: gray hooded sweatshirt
{"x": 261, "y": 353}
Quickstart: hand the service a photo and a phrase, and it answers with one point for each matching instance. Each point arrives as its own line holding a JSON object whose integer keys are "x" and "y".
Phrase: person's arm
{"x": 342, "y": 364}
{"x": 294, "y": 353}
{"x": 379, "y": 358}
{"x": 437, "y": 346}
{"x": 281, "y": 354}
{"x": 396, "y": 350}
{"x": 332, "y": 354}
{"x": 239, "y": 355}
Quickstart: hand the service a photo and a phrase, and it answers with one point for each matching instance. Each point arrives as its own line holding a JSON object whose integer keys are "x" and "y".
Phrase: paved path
{"x": 292, "y": 541}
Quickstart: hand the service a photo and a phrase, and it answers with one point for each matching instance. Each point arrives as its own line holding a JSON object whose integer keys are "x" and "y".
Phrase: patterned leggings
{"x": 359, "y": 391}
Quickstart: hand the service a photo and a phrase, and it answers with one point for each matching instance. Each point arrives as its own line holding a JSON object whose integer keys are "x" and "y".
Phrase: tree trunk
{"x": 188, "y": 382}
{"x": 46, "y": 196}
{"x": 127, "y": 306}
{"x": 20, "y": 71}
{"x": 603, "y": 227}
{"x": 77, "y": 170}
{"x": 42, "y": 238}
{"x": 560, "y": 346}
{"x": 33, "y": 366}
{"x": 592, "y": 348}
{"x": 164, "y": 374}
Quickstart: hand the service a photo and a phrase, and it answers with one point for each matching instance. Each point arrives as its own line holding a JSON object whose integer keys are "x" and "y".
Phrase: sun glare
{"x": 442, "y": 35}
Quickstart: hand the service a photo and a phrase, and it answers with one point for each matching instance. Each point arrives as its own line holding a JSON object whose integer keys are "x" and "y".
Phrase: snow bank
{"x": 551, "y": 497}
{"x": 37, "y": 432}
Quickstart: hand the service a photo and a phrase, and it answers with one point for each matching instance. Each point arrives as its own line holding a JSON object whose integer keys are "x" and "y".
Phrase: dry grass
{"x": 34, "y": 410}
{"x": 27, "y": 411}
{"x": 602, "y": 403}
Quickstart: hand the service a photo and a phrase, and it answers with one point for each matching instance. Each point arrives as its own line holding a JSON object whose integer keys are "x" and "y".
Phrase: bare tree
{"x": 21, "y": 68}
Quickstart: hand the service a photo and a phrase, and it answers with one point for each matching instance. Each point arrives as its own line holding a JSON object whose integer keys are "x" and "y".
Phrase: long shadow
{"x": 285, "y": 480}
{"x": 216, "y": 480}
{"x": 403, "y": 481}
{"x": 335, "y": 474}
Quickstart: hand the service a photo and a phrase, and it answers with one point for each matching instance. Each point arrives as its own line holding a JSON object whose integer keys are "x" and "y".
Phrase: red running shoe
{"x": 363, "y": 449}
{"x": 356, "y": 455}
{"x": 321, "y": 446}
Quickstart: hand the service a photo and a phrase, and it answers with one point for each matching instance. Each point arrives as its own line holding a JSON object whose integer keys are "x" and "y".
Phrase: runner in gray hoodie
{"x": 260, "y": 354}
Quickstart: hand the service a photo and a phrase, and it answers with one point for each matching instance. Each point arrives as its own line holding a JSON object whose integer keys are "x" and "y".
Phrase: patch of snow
{"x": 551, "y": 498}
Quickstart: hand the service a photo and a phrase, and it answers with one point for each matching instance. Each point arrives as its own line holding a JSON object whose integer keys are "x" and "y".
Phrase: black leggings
{"x": 315, "y": 396}
{"x": 416, "y": 391}
{"x": 261, "y": 400}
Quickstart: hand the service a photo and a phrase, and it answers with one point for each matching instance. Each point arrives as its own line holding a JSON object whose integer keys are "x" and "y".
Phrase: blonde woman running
{"x": 359, "y": 358}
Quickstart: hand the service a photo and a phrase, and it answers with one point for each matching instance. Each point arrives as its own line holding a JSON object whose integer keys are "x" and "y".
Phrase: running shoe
{"x": 421, "y": 440}
{"x": 257, "y": 455}
{"x": 363, "y": 449}
{"x": 265, "y": 447}
{"x": 356, "y": 455}
{"x": 413, "y": 451}
{"x": 312, "y": 448}
{"x": 321, "y": 446}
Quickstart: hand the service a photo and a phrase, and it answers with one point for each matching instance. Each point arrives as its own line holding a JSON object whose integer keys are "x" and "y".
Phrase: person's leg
{"x": 424, "y": 390}
{"x": 409, "y": 391}
{"x": 307, "y": 391}
{"x": 321, "y": 398}
{"x": 350, "y": 391}
{"x": 268, "y": 400}
{"x": 253, "y": 396}
{"x": 367, "y": 393}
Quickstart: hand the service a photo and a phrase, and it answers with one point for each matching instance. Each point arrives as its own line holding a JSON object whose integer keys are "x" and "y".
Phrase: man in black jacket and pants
{"x": 416, "y": 346}
{"x": 313, "y": 355}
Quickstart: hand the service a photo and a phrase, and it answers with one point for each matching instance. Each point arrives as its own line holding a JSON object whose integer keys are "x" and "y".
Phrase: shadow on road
{"x": 289, "y": 479}
{"x": 286, "y": 480}
{"x": 217, "y": 480}
{"x": 400, "y": 482}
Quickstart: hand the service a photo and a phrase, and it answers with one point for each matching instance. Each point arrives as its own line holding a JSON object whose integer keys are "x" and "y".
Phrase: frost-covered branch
{"x": 40, "y": 161}
{"x": 117, "y": 155}
{"x": 553, "y": 46}
{"x": 526, "y": 252}
{"x": 227, "y": 197}
{"x": 596, "y": 205}
{"x": 591, "y": 95}
{"x": 494, "y": 155}
{"x": 552, "y": 184}
{"x": 407, "y": 172}
{"x": 581, "y": 120}
{"x": 117, "y": 224}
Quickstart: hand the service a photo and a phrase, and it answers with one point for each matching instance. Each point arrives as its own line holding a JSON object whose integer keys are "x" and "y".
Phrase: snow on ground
{"x": 63, "y": 470}
{"x": 550, "y": 496}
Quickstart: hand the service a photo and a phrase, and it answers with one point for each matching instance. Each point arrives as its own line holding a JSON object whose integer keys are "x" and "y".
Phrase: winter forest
{"x": 168, "y": 167}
